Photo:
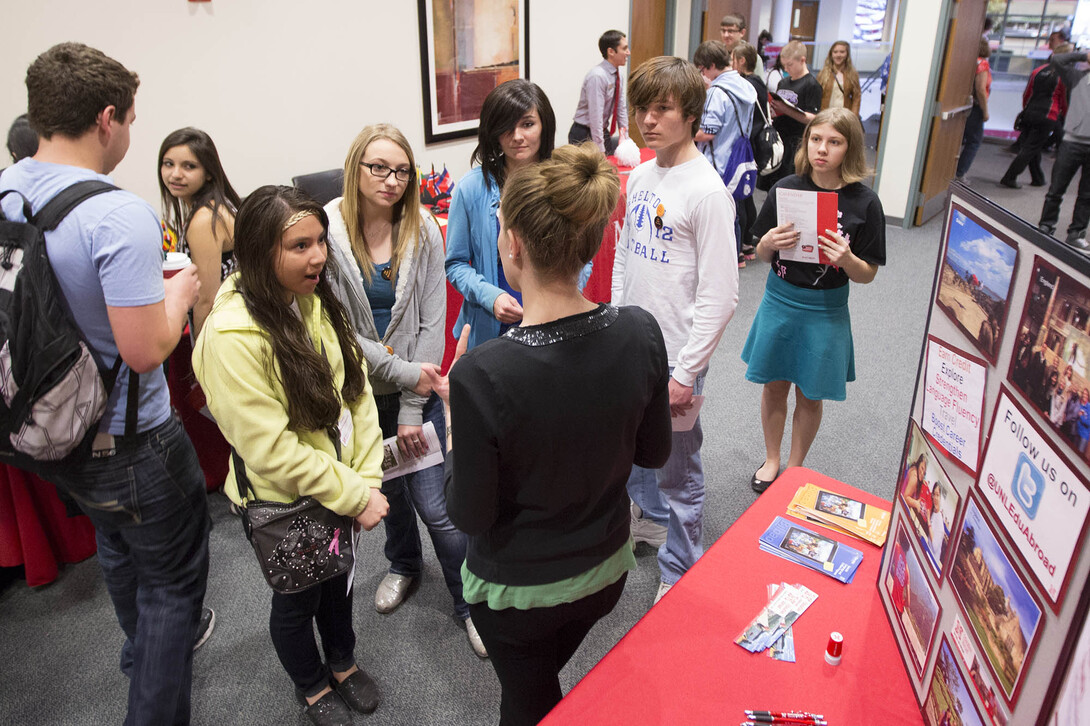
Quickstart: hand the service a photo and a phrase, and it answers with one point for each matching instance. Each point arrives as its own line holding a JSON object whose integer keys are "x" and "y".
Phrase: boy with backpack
{"x": 140, "y": 483}
{"x": 726, "y": 123}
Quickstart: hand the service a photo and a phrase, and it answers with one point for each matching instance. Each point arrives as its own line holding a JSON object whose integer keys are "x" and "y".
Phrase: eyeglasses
{"x": 382, "y": 171}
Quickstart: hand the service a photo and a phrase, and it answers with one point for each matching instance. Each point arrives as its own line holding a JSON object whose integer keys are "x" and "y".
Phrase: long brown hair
{"x": 828, "y": 71}
{"x": 217, "y": 193}
{"x": 307, "y": 377}
{"x": 406, "y": 211}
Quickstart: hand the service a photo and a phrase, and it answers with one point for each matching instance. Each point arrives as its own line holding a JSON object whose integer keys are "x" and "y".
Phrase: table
{"x": 35, "y": 530}
{"x": 679, "y": 664}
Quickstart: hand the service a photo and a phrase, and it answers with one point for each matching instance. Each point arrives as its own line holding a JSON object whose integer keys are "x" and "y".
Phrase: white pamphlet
{"x": 395, "y": 464}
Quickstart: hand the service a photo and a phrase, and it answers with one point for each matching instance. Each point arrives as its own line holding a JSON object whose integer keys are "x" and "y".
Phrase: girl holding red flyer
{"x": 802, "y": 332}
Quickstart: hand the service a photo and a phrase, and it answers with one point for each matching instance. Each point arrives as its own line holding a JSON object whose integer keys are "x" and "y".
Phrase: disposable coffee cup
{"x": 174, "y": 263}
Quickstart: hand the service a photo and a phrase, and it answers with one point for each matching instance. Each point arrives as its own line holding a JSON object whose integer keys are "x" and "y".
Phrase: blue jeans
{"x": 674, "y": 496}
{"x": 150, "y": 512}
{"x": 422, "y": 492}
{"x": 971, "y": 140}
{"x": 1070, "y": 157}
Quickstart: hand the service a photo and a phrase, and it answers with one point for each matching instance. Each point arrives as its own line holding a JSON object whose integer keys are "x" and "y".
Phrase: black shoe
{"x": 1078, "y": 243}
{"x": 329, "y": 710}
{"x": 205, "y": 627}
{"x": 1009, "y": 183}
{"x": 358, "y": 691}
{"x": 1047, "y": 229}
{"x": 759, "y": 485}
{"x": 1038, "y": 183}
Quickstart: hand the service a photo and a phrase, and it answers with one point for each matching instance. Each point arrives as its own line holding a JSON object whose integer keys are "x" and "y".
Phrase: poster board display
{"x": 993, "y": 488}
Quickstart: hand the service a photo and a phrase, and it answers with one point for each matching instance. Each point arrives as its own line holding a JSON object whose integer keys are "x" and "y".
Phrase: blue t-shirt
{"x": 107, "y": 251}
{"x": 380, "y": 295}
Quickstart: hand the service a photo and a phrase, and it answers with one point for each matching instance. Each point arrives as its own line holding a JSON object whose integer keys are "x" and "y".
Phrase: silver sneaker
{"x": 475, "y": 639}
{"x": 664, "y": 587}
{"x": 391, "y": 592}
{"x": 644, "y": 530}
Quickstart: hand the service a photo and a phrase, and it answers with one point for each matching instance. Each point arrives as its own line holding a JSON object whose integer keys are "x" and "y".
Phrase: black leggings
{"x": 291, "y": 625}
{"x": 528, "y": 648}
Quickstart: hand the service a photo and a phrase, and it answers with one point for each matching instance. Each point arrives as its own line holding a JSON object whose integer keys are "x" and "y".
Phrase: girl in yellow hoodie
{"x": 283, "y": 372}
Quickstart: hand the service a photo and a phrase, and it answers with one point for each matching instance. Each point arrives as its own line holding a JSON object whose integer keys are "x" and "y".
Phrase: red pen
{"x": 786, "y": 717}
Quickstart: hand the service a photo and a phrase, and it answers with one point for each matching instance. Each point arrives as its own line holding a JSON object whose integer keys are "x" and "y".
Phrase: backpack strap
{"x": 57, "y": 208}
{"x": 47, "y": 219}
{"x": 743, "y": 134}
{"x": 27, "y": 214}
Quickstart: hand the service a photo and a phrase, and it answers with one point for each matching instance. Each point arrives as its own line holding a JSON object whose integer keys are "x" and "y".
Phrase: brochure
{"x": 840, "y": 513}
{"x": 776, "y": 617}
{"x": 784, "y": 648}
{"x": 812, "y": 213}
{"x": 810, "y": 549}
{"x": 394, "y": 464}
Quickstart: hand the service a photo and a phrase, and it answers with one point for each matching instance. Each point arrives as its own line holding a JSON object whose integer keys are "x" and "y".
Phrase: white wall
{"x": 283, "y": 86}
{"x": 908, "y": 105}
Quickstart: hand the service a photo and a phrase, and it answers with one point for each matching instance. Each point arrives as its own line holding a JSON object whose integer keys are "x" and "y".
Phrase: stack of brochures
{"x": 840, "y": 513}
{"x": 810, "y": 549}
{"x": 773, "y": 624}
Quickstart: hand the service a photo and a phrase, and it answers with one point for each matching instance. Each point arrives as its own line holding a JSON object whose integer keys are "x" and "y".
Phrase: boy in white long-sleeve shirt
{"x": 676, "y": 259}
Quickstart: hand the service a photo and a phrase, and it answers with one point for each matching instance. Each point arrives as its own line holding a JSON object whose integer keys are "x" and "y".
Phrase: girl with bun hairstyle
{"x": 549, "y": 419}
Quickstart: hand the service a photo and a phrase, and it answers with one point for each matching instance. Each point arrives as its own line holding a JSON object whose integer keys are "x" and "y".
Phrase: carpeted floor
{"x": 59, "y": 645}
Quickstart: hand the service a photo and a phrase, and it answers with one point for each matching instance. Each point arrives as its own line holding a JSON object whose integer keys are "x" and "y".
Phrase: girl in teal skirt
{"x": 802, "y": 332}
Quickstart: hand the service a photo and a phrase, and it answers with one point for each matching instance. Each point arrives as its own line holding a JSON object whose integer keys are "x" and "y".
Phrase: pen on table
{"x": 803, "y": 717}
{"x": 783, "y": 722}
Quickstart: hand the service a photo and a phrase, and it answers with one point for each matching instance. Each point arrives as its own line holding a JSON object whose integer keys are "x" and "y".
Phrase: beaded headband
{"x": 296, "y": 218}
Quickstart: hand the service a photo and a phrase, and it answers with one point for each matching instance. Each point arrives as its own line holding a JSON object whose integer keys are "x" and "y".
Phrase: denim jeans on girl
{"x": 421, "y": 492}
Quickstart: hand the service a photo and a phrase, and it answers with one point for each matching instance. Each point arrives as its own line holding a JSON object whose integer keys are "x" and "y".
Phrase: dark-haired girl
{"x": 517, "y": 129}
{"x": 284, "y": 375}
{"x": 199, "y": 206}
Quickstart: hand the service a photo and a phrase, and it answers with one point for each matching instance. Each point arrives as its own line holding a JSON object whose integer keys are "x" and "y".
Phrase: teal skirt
{"x": 804, "y": 336}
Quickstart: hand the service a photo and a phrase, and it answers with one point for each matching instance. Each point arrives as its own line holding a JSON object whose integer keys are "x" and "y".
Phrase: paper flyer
{"x": 810, "y": 549}
{"x": 784, "y": 647}
{"x": 776, "y": 617}
{"x": 687, "y": 420}
{"x": 840, "y": 513}
{"x": 953, "y": 402}
{"x": 395, "y": 465}
{"x": 812, "y": 213}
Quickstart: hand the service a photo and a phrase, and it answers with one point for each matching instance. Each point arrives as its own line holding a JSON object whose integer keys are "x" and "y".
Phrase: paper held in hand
{"x": 812, "y": 213}
{"x": 394, "y": 464}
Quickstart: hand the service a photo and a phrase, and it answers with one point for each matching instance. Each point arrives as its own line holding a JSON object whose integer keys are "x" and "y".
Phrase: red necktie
{"x": 616, "y": 101}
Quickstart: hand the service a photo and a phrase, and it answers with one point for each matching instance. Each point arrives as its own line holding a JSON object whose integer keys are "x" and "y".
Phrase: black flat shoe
{"x": 329, "y": 710}
{"x": 759, "y": 485}
{"x": 1009, "y": 184}
{"x": 359, "y": 691}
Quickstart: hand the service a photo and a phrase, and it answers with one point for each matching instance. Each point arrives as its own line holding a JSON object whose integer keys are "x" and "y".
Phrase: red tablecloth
{"x": 34, "y": 529}
{"x": 598, "y": 287}
{"x": 680, "y": 665}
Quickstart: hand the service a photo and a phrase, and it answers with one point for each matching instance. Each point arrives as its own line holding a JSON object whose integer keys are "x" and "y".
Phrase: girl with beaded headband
{"x": 284, "y": 375}
{"x": 551, "y": 417}
{"x": 390, "y": 251}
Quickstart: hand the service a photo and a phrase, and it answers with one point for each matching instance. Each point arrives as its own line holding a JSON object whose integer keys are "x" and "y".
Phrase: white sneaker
{"x": 475, "y": 639}
{"x": 391, "y": 592}
{"x": 645, "y": 530}
{"x": 664, "y": 587}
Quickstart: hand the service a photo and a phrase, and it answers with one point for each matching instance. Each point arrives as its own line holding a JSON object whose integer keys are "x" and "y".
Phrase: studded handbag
{"x": 298, "y": 545}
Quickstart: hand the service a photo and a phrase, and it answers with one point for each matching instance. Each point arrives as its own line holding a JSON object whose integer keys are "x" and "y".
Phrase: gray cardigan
{"x": 416, "y": 322}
